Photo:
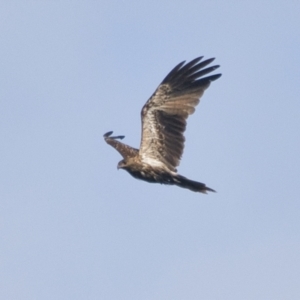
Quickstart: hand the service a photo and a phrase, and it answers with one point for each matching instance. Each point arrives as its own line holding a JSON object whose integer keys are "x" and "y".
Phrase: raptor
{"x": 163, "y": 125}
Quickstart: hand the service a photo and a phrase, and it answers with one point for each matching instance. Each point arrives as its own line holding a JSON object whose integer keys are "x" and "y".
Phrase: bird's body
{"x": 163, "y": 124}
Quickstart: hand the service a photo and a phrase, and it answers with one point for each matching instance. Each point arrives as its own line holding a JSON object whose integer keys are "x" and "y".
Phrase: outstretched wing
{"x": 164, "y": 114}
{"x": 125, "y": 150}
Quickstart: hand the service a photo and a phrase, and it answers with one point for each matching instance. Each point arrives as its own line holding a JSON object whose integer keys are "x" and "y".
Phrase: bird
{"x": 164, "y": 118}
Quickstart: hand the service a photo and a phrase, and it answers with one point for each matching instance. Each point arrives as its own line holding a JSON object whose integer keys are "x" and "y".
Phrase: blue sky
{"x": 73, "y": 227}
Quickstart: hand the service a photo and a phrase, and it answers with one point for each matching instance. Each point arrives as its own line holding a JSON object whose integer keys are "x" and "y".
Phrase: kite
{"x": 163, "y": 125}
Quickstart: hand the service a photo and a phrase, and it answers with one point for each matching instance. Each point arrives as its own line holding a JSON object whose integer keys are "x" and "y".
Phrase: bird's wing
{"x": 125, "y": 150}
{"x": 164, "y": 115}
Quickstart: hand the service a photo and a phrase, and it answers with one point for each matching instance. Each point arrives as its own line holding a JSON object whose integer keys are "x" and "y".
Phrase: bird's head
{"x": 122, "y": 164}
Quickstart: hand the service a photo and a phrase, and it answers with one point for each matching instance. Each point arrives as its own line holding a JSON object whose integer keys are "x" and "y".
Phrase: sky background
{"x": 73, "y": 227}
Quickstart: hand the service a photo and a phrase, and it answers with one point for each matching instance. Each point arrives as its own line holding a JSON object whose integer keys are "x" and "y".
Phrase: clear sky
{"x": 73, "y": 227}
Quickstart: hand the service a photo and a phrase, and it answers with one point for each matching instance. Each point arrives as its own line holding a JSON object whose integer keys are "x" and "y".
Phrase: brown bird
{"x": 163, "y": 123}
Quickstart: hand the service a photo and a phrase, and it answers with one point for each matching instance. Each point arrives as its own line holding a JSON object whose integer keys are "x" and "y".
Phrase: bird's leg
{"x": 108, "y": 136}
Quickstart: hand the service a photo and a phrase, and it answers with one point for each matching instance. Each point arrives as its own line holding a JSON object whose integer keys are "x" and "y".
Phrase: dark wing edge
{"x": 164, "y": 115}
{"x": 125, "y": 150}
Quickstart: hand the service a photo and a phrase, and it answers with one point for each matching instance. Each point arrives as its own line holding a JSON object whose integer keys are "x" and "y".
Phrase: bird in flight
{"x": 163, "y": 124}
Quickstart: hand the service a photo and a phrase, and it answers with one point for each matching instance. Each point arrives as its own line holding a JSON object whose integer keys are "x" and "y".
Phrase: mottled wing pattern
{"x": 165, "y": 113}
{"x": 125, "y": 150}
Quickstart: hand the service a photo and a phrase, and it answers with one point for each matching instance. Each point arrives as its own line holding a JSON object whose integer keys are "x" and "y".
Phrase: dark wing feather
{"x": 165, "y": 113}
{"x": 125, "y": 150}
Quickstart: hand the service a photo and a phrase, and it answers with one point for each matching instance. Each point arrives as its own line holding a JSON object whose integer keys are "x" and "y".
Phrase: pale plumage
{"x": 163, "y": 124}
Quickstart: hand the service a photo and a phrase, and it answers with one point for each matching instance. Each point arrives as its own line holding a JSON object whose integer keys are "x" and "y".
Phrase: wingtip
{"x": 214, "y": 77}
{"x": 107, "y": 134}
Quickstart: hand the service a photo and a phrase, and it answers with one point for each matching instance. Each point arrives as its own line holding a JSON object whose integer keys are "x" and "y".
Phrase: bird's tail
{"x": 191, "y": 185}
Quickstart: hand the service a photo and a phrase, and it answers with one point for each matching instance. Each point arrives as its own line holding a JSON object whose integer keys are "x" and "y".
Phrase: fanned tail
{"x": 194, "y": 186}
